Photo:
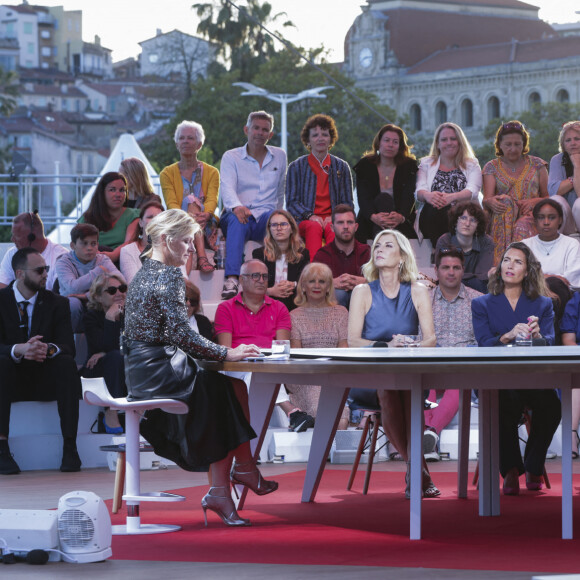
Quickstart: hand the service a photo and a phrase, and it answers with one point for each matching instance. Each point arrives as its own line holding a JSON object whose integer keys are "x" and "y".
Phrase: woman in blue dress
{"x": 518, "y": 305}
{"x": 393, "y": 304}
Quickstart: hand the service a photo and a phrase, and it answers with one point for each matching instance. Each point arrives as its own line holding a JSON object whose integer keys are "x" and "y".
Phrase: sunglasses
{"x": 256, "y": 277}
{"x": 112, "y": 290}
{"x": 39, "y": 270}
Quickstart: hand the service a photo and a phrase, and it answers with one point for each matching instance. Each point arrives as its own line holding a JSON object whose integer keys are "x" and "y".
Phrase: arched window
{"x": 466, "y": 113}
{"x": 416, "y": 122}
{"x": 563, "y": 96}
{"x": 493, "y": 111}
{"x": 533, "y": 99}
{"x": 440, "y": 113}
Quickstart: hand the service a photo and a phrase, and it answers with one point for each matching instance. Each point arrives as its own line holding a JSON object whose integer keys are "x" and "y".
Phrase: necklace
{"x": 513, "y": 168}
{"x": 548, "y": 246}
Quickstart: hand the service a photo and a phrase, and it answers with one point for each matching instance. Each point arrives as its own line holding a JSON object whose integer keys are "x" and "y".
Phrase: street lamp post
{"x": 283, "y": 99}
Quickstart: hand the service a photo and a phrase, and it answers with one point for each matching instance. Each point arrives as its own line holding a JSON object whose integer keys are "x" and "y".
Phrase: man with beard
{"x": 345, "y": 256}
{"x": 37, "y": 355}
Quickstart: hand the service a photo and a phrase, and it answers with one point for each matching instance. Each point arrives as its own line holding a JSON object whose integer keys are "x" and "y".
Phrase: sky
{"x": 122, "y": 24}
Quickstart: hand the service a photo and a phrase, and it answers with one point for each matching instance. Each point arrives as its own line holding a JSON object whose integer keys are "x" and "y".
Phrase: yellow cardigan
{"x": 172, "y": 186}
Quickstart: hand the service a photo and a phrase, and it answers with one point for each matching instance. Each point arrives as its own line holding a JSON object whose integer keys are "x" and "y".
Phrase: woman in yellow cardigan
{"x": 193, "y": 186}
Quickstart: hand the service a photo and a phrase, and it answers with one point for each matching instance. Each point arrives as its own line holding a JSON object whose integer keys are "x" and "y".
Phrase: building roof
{"x": 53, "y": 91}
{"x": 108, "y": 89}
{"x": 406, "y": 26}
{"x": 551, "y": 48}
{"x": 513, "y": 4}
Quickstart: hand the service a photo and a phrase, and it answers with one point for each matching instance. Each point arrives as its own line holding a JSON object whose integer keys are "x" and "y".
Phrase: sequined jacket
{"x": 155, "y": 312}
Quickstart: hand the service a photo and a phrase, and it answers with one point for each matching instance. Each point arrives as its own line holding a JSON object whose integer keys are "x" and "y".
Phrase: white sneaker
{"x": 430, "y": 440}
{"x": 230, "y": 289}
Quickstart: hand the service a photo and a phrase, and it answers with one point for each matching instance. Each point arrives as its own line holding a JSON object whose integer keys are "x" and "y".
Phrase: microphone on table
{"x": 35, "y": 557}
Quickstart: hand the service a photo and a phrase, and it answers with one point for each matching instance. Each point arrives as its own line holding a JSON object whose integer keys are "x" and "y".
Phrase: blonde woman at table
{"x": 318, "y": 322}
{"x": 518, "y": 305}
{"x": 160, "y": 348}
{"x": 393, "y": 304}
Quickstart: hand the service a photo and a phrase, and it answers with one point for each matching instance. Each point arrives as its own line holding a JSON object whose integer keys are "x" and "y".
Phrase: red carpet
{"x": 347, "y": 528}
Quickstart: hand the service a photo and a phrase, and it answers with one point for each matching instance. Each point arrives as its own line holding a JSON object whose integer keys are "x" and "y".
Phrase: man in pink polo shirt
{"x": 253, "y": 317}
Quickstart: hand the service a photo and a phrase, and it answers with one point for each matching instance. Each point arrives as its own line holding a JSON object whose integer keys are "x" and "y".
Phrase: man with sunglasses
{"x": 37, "y": 355}
{"x": 252, "y": 317}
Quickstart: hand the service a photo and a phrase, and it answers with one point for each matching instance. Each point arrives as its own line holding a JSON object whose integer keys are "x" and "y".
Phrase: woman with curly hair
{"x": 284, "y": 255}
{"x": 467, "y": 224}
{"x": 386, "y": 177}
{"x": 512, "y": 185}
{"x": 518, "y": 306}
{"x": 318, "y": 182}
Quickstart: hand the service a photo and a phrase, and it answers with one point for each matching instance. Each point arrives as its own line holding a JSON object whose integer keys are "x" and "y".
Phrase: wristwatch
{"x": 51, "y": 350}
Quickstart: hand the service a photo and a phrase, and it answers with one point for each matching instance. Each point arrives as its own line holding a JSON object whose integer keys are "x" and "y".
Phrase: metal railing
{"x": 55, "y": 197}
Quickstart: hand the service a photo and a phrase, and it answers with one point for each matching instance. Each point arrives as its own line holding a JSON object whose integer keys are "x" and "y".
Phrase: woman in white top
{"x": 130, "y": 263}
{"x": 448, "y": 175}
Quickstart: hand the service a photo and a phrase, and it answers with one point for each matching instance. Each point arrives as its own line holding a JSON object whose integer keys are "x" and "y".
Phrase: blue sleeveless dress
{"x": 388, "y": 316}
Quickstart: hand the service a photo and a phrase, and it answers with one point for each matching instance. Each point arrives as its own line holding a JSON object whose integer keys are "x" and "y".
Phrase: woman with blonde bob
{"x": 284, "y": 255}
{"x": 139, "y": 186}
{"x": 448, "y": 175}
{"x": 160, "y": 351}
{"x": 318, "y": 322}
{"x": 383, "y": 313}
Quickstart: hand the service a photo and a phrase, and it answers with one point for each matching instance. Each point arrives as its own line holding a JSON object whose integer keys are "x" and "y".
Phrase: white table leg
{"x": 464, "y": 432}
{"x": 567, "y": 529}
{"x": 330, "y": 406}
{"x": 416, "y": 460}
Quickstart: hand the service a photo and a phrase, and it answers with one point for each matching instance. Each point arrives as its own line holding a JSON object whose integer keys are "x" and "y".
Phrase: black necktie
{"x": 23, "y": 311}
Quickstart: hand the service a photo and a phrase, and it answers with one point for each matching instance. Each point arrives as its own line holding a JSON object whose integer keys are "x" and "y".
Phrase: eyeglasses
{"x": 279, "y": 225}
{"x": 256, "y": 277}
{"x": 467, "y": 218}
{"x": 112, "y": 290}
{"x": 40, "y": 270}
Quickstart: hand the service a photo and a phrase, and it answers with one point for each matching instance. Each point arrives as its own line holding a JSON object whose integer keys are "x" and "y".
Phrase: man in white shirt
{"x": 28, "y": 232}
{"x": 252, "y": 184}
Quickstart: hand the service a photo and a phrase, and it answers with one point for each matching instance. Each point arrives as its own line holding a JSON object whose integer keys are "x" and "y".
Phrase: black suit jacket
{"x": 50, "y": 319}
{"x": 294, "y": 271}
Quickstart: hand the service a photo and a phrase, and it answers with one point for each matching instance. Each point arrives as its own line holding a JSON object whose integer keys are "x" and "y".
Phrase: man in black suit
{"x": 37, "y": 355}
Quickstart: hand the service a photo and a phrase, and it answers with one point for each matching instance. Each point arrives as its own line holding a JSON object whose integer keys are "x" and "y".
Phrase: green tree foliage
{"x": 9, "y": 91}
{"x": 222, "y": 111}
{"x": 244, "y": 45}
{"x": 543, "y": 122}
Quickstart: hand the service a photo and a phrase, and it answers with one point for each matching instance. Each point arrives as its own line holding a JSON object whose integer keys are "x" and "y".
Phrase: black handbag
{"x": 155, "y": 371}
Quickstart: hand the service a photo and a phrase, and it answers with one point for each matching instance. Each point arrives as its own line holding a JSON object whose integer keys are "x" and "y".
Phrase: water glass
{"x": 281, "y": 349}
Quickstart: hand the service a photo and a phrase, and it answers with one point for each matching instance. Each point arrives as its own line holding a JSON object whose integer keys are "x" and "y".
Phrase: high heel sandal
{"x": 224, "y": 507}
{"x": 429, "y": 489}
{"x": 511, "y": 482}
{"x": 575, "y": 452}
{"x": 534, "y": 482}
{"x": 247, "y": 478}
{"x": 204, "y": 265}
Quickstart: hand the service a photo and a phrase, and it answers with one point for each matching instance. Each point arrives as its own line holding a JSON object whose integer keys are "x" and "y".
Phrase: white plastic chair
{"x": 95, "y": 392}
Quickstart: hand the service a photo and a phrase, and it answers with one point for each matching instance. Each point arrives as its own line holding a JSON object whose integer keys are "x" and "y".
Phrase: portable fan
{"x": 84, "y": 527}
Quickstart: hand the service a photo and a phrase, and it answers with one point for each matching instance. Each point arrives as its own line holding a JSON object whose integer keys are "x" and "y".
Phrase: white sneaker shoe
{"x": 430, "y": 440}
{"x": 230, "y": 289}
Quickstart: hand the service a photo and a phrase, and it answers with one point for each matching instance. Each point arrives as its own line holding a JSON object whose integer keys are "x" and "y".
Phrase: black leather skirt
{"x": 215, "y": 423}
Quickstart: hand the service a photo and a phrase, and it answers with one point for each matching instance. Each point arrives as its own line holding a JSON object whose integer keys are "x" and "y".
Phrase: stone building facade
{"x": 467, "y": 62}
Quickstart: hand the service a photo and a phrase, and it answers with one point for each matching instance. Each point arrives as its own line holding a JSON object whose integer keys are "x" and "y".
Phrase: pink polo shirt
{"x": 235, "y": 318}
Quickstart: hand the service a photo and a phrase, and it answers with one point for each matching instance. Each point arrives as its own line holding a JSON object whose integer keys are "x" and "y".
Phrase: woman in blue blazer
{"x": 518, "y": 305}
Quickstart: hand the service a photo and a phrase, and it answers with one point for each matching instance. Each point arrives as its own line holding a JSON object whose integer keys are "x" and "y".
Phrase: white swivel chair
{"x": 95, "y": 392}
